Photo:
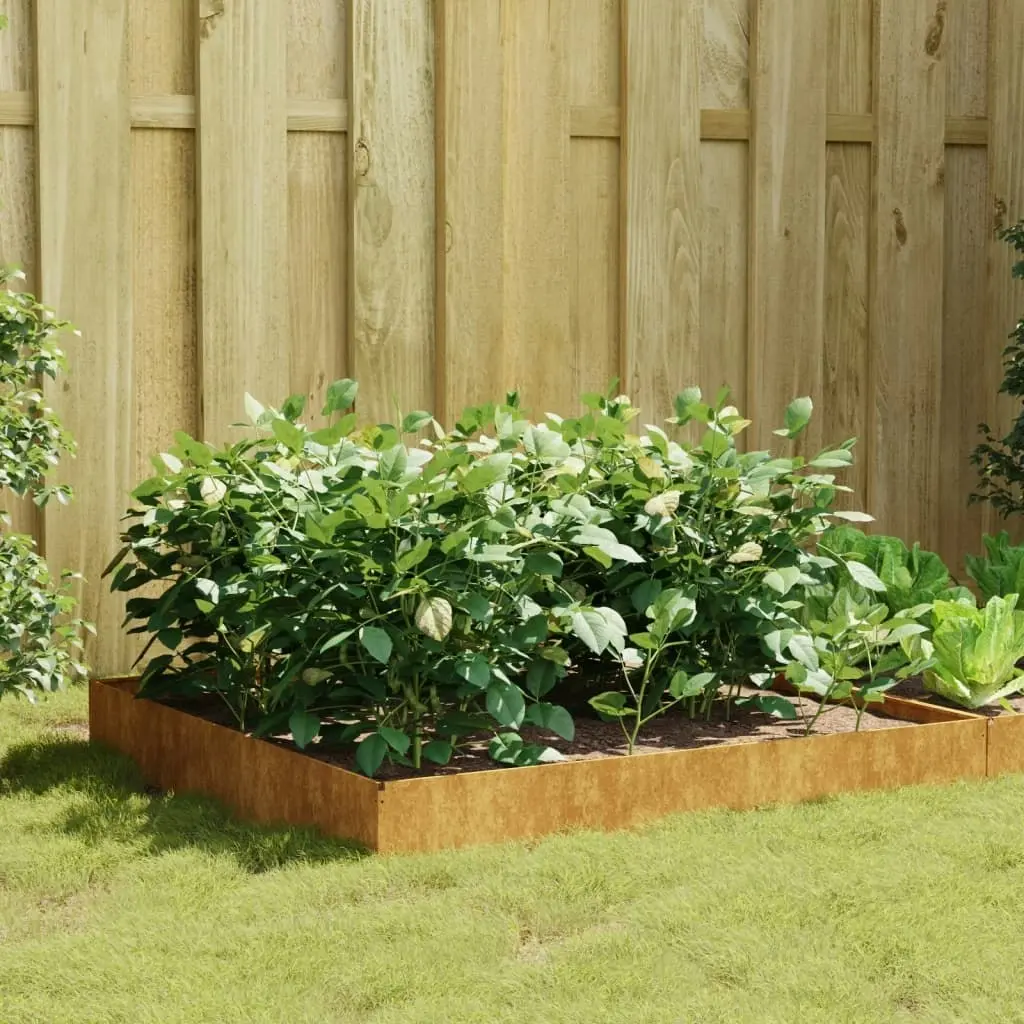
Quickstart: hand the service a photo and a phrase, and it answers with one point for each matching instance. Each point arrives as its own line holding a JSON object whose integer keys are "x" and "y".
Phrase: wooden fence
{"x": 446, "y": 198}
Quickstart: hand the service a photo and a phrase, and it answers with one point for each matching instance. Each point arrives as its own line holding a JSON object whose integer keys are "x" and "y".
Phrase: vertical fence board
{"x": 788, "y": 205}
{"x": 844, "y": 396}
{"x": 1006, "y": 189}
{"x": 391, "y": 191}
{"x": 538, "y": 355}
{"x": 594, "y": 198}
{"x": 471, "y": 170}
{"x": 906, "y": 321}
{"x": 968, "y": 370}
{"x": 663, "y": 200}
{"x": 723, "y": 295}
{"x": 242, "y": 208}
{"x": 725, "y": 55}
{"x": 162, "y": 40}
{"x": 18, "y": 194}
{"x": 317, "y": 206}
{"x": 85, "y": 259}
{"x": 725, "y": 192}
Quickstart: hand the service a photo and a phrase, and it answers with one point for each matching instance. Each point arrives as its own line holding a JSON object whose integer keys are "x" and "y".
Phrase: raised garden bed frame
{"x": 268, "y": 783}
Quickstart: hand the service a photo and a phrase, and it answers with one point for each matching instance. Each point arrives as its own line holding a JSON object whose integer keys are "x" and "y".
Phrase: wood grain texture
{"x": 538, "y": 356}
{"x": 471, "y": 194}
{"x": 317, "y": 272}
{"x": 615, "y": 793}
{"x": 845, "y": 388}
{"x": 257, "y": 780}
{"x": 1005, "y": 745}
{"x": 266, "y": 783}
{"x": 85, "y": 256}
{"x": 849, "y": 56}
{"x": 906, "y": 314}
{"x": 968, "y": 395}
{"x": 317, "y": 49}
{"x": 1006, "y": 195}
{"x": 18, "y": 196}
{"x": 391, "y": 192}
{"x": 594, "y": 327}
{"x": 967, "y": 47}
{"x": 787, "y": 208}
{"x": 242, "y": 174}
{"x": 725, "y": 55}
{"x": 661, "y": 178}
{"x": 845, "y": 393}
{"x": 162, "y": 48}
{"x": 723, "y": 275}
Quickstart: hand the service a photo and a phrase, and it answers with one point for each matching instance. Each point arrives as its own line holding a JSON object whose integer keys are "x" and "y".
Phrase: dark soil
{"x": 595, "y": 738}
{"x": 913, "y": 689}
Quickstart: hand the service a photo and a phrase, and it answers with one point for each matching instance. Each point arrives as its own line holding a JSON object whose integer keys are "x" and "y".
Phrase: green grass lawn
{"x": 120, "y": 906}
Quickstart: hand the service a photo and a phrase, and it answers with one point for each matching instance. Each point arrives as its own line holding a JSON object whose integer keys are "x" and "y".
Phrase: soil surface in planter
{"x": 594, "y": 738}
{"x": 913, "y": 689}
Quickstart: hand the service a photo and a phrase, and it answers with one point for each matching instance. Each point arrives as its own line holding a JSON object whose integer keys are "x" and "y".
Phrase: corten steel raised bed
{"x": 268, "y": 783}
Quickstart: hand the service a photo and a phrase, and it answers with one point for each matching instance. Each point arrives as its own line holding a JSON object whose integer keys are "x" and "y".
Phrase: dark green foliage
{"x": 1001, "y": 573}
{"x": 40, "y": 645}
{"x": 912, "y": 577}
{"x": 344, "y": 587}
{"x": 1001, "y": 459}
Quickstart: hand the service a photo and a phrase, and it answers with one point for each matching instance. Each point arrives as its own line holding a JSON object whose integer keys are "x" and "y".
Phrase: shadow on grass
{"x": 106, "y": 800}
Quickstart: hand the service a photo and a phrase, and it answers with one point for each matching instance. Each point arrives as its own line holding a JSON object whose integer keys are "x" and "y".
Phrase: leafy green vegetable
{"x": 975, "y": 651}
{"x": 909, "y": 576}
{"x": 1001, "y": 573}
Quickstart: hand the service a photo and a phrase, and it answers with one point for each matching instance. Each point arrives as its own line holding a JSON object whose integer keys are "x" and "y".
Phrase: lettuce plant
{"x": 911, "y": 577}
{"x": 973, "y": 652}
{"x": 1001, "y": 572}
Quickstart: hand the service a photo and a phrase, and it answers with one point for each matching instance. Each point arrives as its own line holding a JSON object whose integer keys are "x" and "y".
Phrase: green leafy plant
{"x": 40, "y": 643}
{"x": 343, "y": 585}
{"x": 700, "y": 549}
{"x": 1000, "y": 460}
{"x": 1001, "y": 572}
{"x": 851, "y": 655}
{"x": 911, "y": 577}
{"x": 971, "y": 657}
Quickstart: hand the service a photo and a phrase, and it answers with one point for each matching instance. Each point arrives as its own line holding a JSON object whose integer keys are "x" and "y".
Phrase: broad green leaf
{"x": 434, "y": 617}
{"x": 370, "y": 753}
{"x": 863, "y": 576}
{"x": 208, "y": 589}
{"x": 643, "y": 595}
{"x": 553, "y": 718}
{"x": 599, "y": 629}
{"x": 393, "y": 463}
{"x": 478, "y": 607}
{"x": 438, "y": 751}
{"x": 411, "y": 558}
{"x": 506, "y": 704}
{"x": 172, "y": 462}
{"x": 293, "y": 407}
{"x": 377, "y": 643}
{"x": 683, "y": 686}
{"x": 291, "y": 436}
{"x": 801, "y": 646}
{"x": 541, "y": 677}
{"x": 531, "y": 633}
{"x": 212, "y": 491}
{"x": 475, "y": 669}
{"x": 833, "y": 459}
{"x": 340, "y": 396}
{"x": 304, "y": 726}
{"x": 777, "y": 707}
{"x": 798, "y": 415}
{"x": 339, "y": 638}
{"x": 600, "y": 556}
{"x": 783, "y": 580}
{"x": 612, "y": 705}
{"x": 415, "y": 421}
{"x": 543, "y": 563}
{"x": 395, "y": 739}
